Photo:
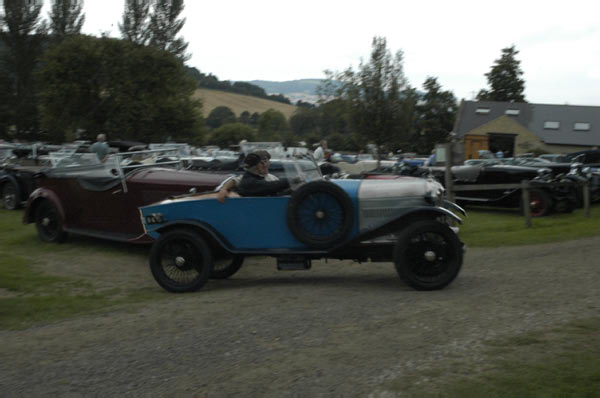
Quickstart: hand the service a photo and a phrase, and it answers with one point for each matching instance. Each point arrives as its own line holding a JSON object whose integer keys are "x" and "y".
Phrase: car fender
{"x": 36, "y": 198}
{"x": 206, "y": 230}
{"x": 399, "y": 221}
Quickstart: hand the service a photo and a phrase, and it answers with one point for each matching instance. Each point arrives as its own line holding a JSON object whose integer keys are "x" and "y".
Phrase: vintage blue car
{"x": 405, "y": 221}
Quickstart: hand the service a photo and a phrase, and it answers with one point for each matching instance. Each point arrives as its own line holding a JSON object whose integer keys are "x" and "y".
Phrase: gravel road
{"x": 340, "y": 329}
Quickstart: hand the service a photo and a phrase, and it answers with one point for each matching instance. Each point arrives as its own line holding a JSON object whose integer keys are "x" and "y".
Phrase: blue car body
{"x": 376, "y": 220}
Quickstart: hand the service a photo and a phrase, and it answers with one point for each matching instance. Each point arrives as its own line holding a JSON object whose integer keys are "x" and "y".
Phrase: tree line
{"x": 57, "y": 84}
{"x": 374, "y": 104}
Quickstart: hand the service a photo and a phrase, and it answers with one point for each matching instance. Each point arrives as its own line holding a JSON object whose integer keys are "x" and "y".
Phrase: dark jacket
{"x": 255, "y": 185}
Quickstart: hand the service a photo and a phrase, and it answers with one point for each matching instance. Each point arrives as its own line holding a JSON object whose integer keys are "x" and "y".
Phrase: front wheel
{"x": 428, "y": 255}
{"x": 49, "y": 224}
{"x": 180, "y": 261}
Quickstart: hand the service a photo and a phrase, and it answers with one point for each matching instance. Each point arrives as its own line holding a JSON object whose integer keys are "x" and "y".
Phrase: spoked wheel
{"x": 320, "y": 214}
{"x": 10, "y": 196}
{"x": 49, "y": 224}
{"x": 540, "y": 203}
{"x": 180, "y": 261}
{"x": 428, "y": 255}
{"x": 225, "y": 266}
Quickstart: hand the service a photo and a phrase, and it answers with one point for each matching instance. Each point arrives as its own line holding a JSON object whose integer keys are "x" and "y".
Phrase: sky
{"x": 455, "y": 41}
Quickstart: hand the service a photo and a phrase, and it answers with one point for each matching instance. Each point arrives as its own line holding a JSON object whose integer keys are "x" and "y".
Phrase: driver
{"x": 256, "y": 167}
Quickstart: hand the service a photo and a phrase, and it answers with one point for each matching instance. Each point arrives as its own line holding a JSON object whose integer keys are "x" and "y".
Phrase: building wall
{"x": 525, "y": 140}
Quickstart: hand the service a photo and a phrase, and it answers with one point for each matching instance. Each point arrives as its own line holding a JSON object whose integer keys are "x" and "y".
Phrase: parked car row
{"x": 194, "y": 237}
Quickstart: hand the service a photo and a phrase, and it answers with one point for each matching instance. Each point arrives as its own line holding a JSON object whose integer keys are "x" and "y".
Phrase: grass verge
{"x": 29, "y": 297}
{"x": 497, "y": 228}
{"x": 563, "y": 361}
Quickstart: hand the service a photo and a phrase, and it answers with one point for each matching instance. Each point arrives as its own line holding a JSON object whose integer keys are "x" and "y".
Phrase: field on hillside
{"x": 239, "y": 103}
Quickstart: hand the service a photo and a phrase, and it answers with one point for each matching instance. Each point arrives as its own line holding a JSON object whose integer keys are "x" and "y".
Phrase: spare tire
{"x": 320, "y": 214}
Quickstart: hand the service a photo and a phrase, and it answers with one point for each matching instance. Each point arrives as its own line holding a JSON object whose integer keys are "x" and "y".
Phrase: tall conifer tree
{"x": 504, "y": 79}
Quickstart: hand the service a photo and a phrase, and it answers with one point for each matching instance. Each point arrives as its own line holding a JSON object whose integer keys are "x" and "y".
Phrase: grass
{"x": 30, "y": 297}
{"x": 498, "y": 228}
{"x": 563, "y": 361}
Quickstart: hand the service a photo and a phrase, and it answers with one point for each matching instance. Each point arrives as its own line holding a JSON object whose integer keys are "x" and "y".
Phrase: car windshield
{"x": 67, "y": 163}
{"x": 300, "y": 168}
{"x": 276, "y": 150}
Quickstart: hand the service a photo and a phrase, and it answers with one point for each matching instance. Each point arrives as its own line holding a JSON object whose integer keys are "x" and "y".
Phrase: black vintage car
{"x": 545, "y": 197}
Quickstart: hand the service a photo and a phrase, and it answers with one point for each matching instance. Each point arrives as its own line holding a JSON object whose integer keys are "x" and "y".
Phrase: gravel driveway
{"x": 339, "y": 329}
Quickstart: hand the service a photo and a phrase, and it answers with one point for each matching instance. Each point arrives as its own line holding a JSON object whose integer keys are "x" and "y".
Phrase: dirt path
{"x": 340, "y": 329}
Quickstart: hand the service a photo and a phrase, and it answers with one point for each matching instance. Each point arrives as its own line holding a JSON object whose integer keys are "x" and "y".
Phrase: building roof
{"x": 554, "y": 124}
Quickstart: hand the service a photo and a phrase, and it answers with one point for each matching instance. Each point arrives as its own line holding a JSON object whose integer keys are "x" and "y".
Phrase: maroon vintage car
{"x": 102, "y": 199}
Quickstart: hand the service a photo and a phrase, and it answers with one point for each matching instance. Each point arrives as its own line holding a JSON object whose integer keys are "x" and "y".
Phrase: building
{"x": 518, "y": 128}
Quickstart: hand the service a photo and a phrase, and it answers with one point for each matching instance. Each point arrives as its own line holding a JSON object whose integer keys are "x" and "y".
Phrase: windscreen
{"x": 300, "y": 169}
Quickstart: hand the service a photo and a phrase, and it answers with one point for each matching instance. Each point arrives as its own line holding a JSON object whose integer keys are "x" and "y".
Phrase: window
{"x": 483, "y": 111}
{"x": 581, "y": 126}
{"x": 551, "y": 125}
{"x": 513, "y": 112}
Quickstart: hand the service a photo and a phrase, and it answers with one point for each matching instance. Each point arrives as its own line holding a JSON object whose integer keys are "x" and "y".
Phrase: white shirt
{"x": 319, "y": 154}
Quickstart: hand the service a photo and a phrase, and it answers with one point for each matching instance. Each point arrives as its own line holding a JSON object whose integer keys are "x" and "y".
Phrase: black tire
{"x": 49, "y": 223}
{"x": 566, "y": 205}
{"x": 11, "y": 197}
{"x": 540, "y": 203}
{"x": 225, "y": 267}
{"x": 428, "y": 255}
{"x": 320, "y": 214}
{"x": 180, "y": 261}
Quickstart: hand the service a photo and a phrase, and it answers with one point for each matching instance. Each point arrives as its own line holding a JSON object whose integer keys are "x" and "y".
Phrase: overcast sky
{"x": 455, "y": 41}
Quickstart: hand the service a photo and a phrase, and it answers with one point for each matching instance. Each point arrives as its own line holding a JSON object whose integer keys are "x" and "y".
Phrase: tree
{"x": 165, "y": 26}
{"x": 66, "y": 17}
{"x": 271, "y": 125}
{"x": 304, "y": 121}
{"x": 435, "y": 113}
{"x": 373, "y": 95}
{"x": 220, "y": 116}
{"x": 135, "y": 21}
{"x": 244, "y": 117}
{"x": 504, "y": 79}
{"x": 22, "y": 34}
{"x": 231, "y": 134}
{"x": 111, "y": 86}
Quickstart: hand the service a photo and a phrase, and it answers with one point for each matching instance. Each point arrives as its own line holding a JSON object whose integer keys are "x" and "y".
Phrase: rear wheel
{"x": 49, "y": 224}
{"x": 180, "y": 261}
{"x": 10, "y": 196}
{"x": 224, "y": 267}
{"x": 428, "y": 255}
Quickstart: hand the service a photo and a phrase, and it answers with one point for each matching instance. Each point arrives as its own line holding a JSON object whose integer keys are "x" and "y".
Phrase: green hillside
{"x": 239, "y": 103}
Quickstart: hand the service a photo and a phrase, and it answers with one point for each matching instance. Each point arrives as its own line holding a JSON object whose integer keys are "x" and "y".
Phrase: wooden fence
{"x": 525, "y": 186}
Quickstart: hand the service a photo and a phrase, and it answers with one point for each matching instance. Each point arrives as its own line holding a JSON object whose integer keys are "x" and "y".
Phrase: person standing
{"x": 319, "y": 153}
{"x": 100, "y": 147}
{"x": 432, "y": 159}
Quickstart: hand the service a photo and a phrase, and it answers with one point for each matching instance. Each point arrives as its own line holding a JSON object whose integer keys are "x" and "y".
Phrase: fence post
{"x": 448, "y": 181}
{"x": 586, "y": 198}
{"x": 526, "y": 204}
